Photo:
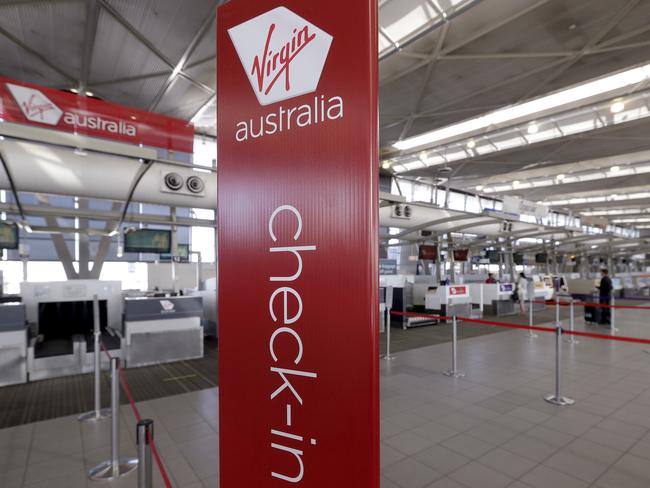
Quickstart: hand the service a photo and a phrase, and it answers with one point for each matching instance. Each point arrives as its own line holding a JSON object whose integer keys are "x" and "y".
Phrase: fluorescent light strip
{"x": 600, "y": 199}
{"x": 569, "y": 179}
{"x": 490, "y": 144}
{"x": 534, "y": 107}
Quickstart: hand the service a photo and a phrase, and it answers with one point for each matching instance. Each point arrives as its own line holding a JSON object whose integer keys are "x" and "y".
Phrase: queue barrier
{"x": 556, "y": 398}
{"x": 117, "y": 466}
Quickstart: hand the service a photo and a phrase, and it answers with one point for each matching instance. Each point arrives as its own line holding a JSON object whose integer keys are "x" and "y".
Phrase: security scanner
{"x": 493, "y": 298}
{"x": 162, "y": 329}
{"x": 448, "y": 300}
{"x": 402, "y": 297}
{"x": 13, "y": 344}
{"x": 61, "y": 324}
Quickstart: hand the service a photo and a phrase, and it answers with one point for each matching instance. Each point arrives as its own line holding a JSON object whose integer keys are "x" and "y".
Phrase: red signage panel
{"x": 26, "y": 103}
{"x": 298, "y": 244}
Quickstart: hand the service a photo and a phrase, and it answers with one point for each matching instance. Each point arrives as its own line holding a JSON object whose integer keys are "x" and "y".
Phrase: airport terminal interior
{"x": 513, "y": 241}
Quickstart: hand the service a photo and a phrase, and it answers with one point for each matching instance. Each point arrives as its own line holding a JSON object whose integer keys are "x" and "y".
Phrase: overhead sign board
{"x": 387, "y": 266}
{"x": 26, "y": 103}
{"x": 518, "y": 206}
{"x": 298, "y": 244}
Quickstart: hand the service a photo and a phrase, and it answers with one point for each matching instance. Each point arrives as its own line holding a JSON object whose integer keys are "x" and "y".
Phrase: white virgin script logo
{"x": 35, "y": 106}
{"x": 283, "y": 54}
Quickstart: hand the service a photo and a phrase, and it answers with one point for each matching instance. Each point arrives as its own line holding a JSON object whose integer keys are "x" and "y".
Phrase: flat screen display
{"x": 518, "y": 258}
{"x": 493, "y": 256}
{"x": 428, "y": 252}
{"x": 461, "y": 254}
{"x": 148, "y": 241}
{"x": 541, "y": 258}
{"x": 8, "y": 236}
{"x": 182, "y": 252}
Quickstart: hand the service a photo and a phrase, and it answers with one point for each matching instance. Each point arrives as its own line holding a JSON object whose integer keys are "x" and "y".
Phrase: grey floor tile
{"x": 408, "y": 442}
{"x": 530, "y": 447}
{"x": 411, "y": 474}
{"x": 468, "y": 446}
{"x": 629, "y": 472}
{"x": 479, "y": 475}
{"x": 441, "y": 459}
{"x": 390, "y": 455}
{"x": 545, "y": 477}
{"x": 507, "y": 462}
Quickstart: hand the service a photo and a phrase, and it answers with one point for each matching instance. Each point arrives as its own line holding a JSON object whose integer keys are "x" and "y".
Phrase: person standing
{"x": 605, "y": 291}
{"x": 522, "y": 292}
{"x": 490, "y": 279}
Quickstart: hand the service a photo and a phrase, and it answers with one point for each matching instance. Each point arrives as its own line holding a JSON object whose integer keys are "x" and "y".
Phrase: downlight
{"x": 174, "y": 181}
{"x": 195, "y": 184}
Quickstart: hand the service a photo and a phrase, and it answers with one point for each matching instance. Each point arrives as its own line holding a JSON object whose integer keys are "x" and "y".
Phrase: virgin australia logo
{"x": 282, "y": 53}
{"x": 35, "y": 106}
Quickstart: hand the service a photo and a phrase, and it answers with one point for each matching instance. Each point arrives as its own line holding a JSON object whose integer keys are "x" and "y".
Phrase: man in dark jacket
{"x": 605, "y": 291}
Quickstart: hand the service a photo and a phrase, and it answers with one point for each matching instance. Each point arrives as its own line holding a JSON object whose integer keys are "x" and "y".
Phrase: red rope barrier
{"x": 136, "y": 412}
{"x": 592, "y": 335}
{"x": 594, "y": 305}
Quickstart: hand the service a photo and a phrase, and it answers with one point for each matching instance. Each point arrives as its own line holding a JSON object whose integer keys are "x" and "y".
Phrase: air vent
{"x": 195, "y": 184}
{"x": 174, "y": 181}
{"x": 401, "y": 211}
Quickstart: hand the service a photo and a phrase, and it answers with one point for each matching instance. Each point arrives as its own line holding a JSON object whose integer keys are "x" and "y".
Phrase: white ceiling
{"x": 435, "y": 68}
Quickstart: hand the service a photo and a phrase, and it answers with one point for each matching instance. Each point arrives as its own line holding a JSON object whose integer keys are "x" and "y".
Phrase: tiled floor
{"x": 490, "y": 429}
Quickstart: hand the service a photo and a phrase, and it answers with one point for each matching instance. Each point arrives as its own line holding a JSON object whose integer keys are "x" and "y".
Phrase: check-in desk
{"x": 540, "y": 295}
{"x": 13, "y": 344}
{"x": 493, "y": 298}
{"x": 160, "y": 330}
{"x": 450, "y": 300}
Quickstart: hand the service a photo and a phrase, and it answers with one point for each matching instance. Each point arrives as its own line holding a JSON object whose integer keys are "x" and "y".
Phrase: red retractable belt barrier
{"x": 136, "y": 412}
{"x": 594, "y": 305}
{"x": 592, "y": 335}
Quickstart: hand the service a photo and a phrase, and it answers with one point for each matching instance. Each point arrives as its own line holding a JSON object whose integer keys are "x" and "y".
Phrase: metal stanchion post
{"x": 388, "y": 356}
{"x": 571, "y": 339}
{"x": 557, "y": 398}
{"x": 115, "y": 467}
{"x": 531, "y": 334}
{"x": 612, "y": 317}
{"x": 98, "y": 413}
{"x": 389, "y": 306}
{"x": 454, "y": 352}
{"x": 144, "y": 438}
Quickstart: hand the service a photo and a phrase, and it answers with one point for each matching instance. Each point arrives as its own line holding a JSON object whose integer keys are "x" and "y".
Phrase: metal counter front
{"x": 160, "y": 330}
{"x": 13, "y": 344}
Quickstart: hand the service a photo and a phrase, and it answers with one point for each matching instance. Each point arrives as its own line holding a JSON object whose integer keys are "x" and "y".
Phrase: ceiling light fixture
{"x": 471, "y": 144}
{"x": 479, "y": 188}
{"x": 560, "y": 177}
{"x": 516, "y": 183}
{"x": 74, "y": 90}
{"x": 617, "y": 107}
{"x": 509, "y": 115}
{"x": 615, "y": 169}
{"x": 386, "y": 165}
{"x": 90, "y": 94}
{"x": 533, "y": 128}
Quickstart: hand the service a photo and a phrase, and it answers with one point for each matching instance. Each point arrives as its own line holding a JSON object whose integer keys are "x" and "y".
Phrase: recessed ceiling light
{"x": 479, "y": 188}
{"x": 615, "y": 169}
{"x": 74, "y": 90}
{"x": 90, "y": 94}
{"x": 471, "y": 144}
{"x": 560, "y": 177}
{"x": 533, "y": 129}
{"x": 386, "y": 165}
{"x": 515, "y": 183}
{"x": 617, "y": 106}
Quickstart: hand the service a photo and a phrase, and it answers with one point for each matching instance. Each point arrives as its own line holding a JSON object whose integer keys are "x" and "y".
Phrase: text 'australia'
{"x": 321, "y": 110}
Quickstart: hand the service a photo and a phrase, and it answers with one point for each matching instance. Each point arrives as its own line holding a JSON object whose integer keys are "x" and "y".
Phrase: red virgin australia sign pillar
{"x": 298, "y": 284}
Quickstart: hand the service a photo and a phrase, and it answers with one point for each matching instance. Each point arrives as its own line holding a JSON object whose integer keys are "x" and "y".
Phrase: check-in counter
{"x": 13, "y": 344}
{"x": 540, "y": 295}
{"x": 493, "y": 298}
{"x": 450, "y": 300}
{"x": 160, "y": 330}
